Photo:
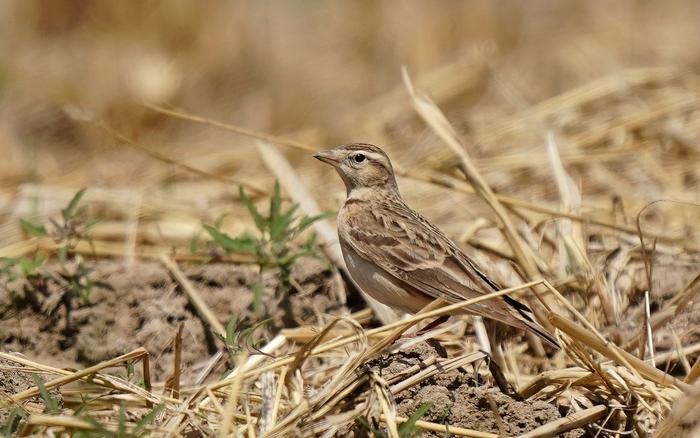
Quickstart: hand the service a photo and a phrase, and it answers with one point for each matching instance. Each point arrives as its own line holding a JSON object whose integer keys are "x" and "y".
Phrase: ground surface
{"x": 617, "y": 83}
{"x": 458, "y": 400}
{"x": 13, "y": 380}
{"x": 143, "y": 306}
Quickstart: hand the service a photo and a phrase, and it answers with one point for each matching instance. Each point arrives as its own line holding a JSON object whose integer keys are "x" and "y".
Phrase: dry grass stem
{"x": 572, "y": 174}
{"x": 195, "y": 297}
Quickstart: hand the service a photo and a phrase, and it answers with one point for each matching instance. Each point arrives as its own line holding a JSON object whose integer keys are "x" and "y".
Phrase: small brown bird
{"x": 397, "y": 256}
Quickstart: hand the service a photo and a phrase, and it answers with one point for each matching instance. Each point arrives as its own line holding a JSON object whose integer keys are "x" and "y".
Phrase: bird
{"x": 401, "y": 259}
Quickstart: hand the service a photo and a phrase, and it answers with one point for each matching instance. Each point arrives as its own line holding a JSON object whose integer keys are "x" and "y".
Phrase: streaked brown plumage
{"x": 397, "y": 256}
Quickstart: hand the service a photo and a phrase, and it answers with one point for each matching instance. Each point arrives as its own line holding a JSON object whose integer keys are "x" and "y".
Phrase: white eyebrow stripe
{"x": 375, "y": 156}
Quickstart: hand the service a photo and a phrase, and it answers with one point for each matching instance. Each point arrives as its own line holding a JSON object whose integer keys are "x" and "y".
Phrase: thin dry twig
{"x": 194, "y": 297}
{"x": 573, "y": 421}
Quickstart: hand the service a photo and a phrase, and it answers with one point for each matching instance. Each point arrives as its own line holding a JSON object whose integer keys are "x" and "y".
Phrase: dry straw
{"x": 314, "y": 380}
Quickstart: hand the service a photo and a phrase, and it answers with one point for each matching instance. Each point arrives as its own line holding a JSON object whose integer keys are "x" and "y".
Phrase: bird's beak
{"x": 331, "y": 156}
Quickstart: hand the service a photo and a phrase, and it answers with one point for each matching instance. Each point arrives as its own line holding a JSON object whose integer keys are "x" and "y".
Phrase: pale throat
{"x": 371, "y": 193}
{"x": 360, "y": 193}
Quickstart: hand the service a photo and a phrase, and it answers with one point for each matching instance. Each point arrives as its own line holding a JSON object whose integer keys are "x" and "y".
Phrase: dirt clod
{"x": 460, "y": 400}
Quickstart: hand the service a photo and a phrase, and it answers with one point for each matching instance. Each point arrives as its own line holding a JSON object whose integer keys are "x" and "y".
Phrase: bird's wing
{"x": 406, "y": 245}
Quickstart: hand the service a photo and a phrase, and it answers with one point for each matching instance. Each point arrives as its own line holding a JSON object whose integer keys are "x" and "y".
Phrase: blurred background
{"x": 326, "y": 73}
{"x": 87, "y": 94}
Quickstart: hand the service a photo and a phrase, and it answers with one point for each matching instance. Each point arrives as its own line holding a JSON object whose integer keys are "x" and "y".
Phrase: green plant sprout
{"x": 102, "y": 430}
{"x": 52, "y": 405}
{"x": 239, "y": 337}
{"x": 11, "y": 425}
{"x": 407, "y": 429}
{"x": 73, "y": 279}
{"x": 273, "y": 246}
{"x": 72, "y": 227}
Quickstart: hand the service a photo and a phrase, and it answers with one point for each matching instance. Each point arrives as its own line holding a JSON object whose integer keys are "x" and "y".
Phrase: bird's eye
{"x": 359, "y": 158}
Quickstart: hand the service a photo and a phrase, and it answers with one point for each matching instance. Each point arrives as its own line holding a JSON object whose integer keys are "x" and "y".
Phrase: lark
{"x": 401, "y": 259}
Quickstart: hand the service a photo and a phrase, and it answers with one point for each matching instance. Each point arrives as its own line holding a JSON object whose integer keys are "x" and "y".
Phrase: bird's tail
{"x": 527, "y": 318}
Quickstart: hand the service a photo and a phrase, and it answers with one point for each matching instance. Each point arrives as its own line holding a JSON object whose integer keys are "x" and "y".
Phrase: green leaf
{"x": 310, "y": 244}
{"x": 366, "y": 427}
{"x": 219, "y": 220}
{"x": 147, "y": 419}
{"x": 9, "y": 261}
{"x": 92, "y": 222}
{"x": 279, "y": 227}
{"x": 84, "y": 401}
{"x": 307, "y": 221}
{"x": 70, "y": 211}
{"x": 39, "y": 260}
{"x": 100, "y": 429}
{"x": 289, "y": 214}
{"x": 51, "y": 403}
{"x": 80, "y": 211}
{"x": 258, "y": 291}
{"x": 275, "y": 204}
{"x": 243, "y": 244}
{"x": 121, "y": 424}
{"x": 194, "y": 243}
{"x": 231, "y": 328}
{"x": 205, "y": 260}
{"x": 30, "y": 267}
{"x": 247, "y": 334}
{"x": 130, "y": 371}
{"x": 12, "y": 422}
{"x": 33, "y": 229}
{"x": 260, "y": 221}
{"x": 288, "y": 259}
{"x": 409, "y": 429}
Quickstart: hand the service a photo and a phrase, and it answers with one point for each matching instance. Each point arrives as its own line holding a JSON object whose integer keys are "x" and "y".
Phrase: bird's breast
{"x": 380, "y": 285}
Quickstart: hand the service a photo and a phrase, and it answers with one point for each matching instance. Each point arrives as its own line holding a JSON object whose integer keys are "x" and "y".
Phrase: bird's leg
{"x": 431, "y": 325}
{"x": 498, "y": 375}
{"x": 434, "y": 323}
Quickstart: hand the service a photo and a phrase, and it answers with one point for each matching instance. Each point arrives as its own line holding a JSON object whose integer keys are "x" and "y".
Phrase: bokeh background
{"x": 85, "y": 87}
{"x": 329, "y": 72}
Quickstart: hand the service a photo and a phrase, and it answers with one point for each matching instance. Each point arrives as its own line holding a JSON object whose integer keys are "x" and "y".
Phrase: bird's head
{"x": 360, "y": 165}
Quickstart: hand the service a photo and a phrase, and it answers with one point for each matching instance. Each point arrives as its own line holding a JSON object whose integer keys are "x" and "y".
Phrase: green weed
{"x": 273, "y": 245}
{"x": 407, "y": 429}
{"x": 72, "y": 227}
{"x": 239, "y": 337}
{"x": 52, "y": 405}
{"x": 101, "y": 430}
{"x": 11, "y": 425}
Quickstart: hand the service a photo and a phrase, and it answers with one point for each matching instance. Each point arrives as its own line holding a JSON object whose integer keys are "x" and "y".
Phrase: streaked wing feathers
{"x": 403, "y": 243}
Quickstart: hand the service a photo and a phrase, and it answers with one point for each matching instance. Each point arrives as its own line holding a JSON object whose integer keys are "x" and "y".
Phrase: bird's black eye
{"x": 359, "y": 158}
